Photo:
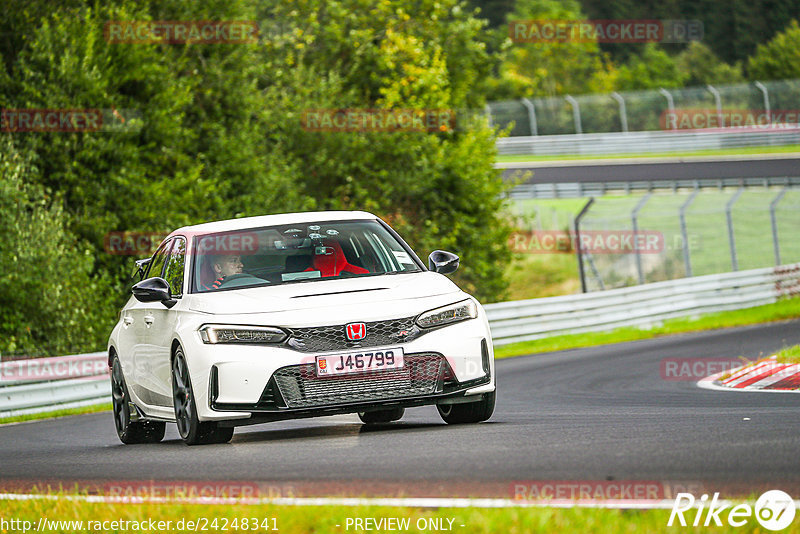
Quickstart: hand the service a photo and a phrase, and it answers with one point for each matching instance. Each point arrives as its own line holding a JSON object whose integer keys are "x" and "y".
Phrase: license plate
{"x": 359, "y": 361}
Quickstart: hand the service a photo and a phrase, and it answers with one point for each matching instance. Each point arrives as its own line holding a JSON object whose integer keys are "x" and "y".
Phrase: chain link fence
{"x": 722, "y": 106}
{"x": 685, "y": 234}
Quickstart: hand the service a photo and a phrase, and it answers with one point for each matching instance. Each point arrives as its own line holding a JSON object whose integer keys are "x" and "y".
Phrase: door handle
{"x": 148, "y": 319}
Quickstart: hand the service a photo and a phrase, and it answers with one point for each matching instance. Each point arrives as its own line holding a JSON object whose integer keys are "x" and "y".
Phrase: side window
{"x": 159, "y": 258}
{"x": 174, "y": 273}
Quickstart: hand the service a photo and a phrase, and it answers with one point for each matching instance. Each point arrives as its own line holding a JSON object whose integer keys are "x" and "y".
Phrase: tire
{"x": 381, "y": 416}
{"x": 130, "y": 432}
{"x": 191, "y": 429}
{"x": 472, "y": 412}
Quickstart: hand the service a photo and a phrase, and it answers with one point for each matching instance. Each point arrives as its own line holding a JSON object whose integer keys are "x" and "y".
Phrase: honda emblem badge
{"x": 356, "y": 331}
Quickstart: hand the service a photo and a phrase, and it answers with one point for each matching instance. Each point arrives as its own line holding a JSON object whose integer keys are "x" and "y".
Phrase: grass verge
{"x": 789, "y": 355}
{"x": 95, "y": 408}
{"x": 787, "y": 149}
{"x": 781, "y": 310}
{"x": 308, "y": 519}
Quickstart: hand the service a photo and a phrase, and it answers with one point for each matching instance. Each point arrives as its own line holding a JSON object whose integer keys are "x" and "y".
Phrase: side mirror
{"x": 442, "y": 262}
{"x": 154, "y": 289}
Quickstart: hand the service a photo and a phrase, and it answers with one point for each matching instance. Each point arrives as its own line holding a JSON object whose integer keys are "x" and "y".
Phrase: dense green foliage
{"x": 221, "y": 137}
{"x": 732, "y": 28}
{"x": 217, "y": 129}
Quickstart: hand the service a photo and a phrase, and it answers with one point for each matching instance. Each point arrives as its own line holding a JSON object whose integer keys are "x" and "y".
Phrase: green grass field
{"x": 789, "y": 355}
{"x": 537, "y": 275}
{"x": 103, "y": 407}
{"x": 332, "y": 519}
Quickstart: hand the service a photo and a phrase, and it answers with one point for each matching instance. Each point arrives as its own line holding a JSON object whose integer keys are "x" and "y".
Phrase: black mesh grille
{"x": 379, "y": 333}
{"x": 422, "y": 374}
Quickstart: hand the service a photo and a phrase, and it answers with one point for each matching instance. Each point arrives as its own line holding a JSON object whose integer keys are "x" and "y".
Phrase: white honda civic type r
{"x": 278, "y": 317}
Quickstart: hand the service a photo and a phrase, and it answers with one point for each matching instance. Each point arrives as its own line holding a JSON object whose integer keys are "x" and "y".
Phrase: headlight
{"x": 221, "y": 333}
{"x": 453, "y": 313}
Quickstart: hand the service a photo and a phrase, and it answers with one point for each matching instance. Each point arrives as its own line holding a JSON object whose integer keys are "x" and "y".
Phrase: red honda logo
{"x": 356, "y": 331}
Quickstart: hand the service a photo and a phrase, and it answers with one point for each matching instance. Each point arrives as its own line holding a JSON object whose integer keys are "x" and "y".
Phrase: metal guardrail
{"x": 83, "y": 379}
{"x": 641, "y": 306}
{"x": 38, "y": 385}
{"x": 648, "y": 141}
{"x": 598, "y": 189}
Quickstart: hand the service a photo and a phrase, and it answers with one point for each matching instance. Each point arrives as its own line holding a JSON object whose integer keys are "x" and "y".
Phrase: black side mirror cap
{"x": 154, "y": 289}
{"x": 443, "y": 262}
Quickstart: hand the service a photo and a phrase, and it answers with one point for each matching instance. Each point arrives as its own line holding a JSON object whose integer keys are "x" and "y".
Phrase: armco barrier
{"x": 45, "y": 384}
{"x": 68, "y": 381}
{"x": 642, "y": 305}
{"x": 650, "y": 141}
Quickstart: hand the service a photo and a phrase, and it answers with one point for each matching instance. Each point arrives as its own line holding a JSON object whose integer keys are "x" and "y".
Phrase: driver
{"x": 223, "y": 267}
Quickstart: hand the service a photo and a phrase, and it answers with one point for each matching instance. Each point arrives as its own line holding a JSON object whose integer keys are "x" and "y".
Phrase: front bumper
{"x": 261, "y": 383}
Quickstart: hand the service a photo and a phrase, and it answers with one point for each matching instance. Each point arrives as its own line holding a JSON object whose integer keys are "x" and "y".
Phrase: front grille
{"x": 422, "y": 374}
{"x": 379, "y": 333}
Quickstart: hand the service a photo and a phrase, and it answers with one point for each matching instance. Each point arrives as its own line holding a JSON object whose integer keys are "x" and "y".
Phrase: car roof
{"x": 270, "y": 220}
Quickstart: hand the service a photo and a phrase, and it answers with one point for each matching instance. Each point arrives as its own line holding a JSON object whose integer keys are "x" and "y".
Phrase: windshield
{"x": 296, "y": 253}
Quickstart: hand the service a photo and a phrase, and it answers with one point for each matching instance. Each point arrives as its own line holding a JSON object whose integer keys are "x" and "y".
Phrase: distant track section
{"x": 654, "y": 170}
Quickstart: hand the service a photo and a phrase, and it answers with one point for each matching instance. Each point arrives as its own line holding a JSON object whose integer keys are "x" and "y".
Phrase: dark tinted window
{"x": 297, "y": 253}
{"x": 175, "y": 264}
{"x": 159, "y": 259}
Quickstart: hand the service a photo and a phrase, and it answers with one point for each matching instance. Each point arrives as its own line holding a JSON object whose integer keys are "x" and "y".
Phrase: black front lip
{"x": 262, "y": 415}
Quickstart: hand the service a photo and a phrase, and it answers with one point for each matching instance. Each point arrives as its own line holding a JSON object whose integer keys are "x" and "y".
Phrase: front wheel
{"x": 130, "y": 432}
{"x": 190, "y": 428}
{"x": 471, "y": 412}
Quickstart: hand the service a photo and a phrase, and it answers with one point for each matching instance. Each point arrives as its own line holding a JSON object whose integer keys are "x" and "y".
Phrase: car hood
{"x": 396, "y": 291}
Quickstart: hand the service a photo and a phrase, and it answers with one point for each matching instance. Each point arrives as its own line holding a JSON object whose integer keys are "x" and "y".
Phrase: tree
{"x": 701, "y": 66}
{"x": 552, "y": 68}
{"x": 652, "y": 69}
{"x": 779, "y": 59}
{"x": 439, "y": 189}
{"x": 51, "y": 302}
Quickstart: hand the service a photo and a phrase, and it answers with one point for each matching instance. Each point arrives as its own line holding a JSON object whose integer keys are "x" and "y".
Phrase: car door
{"x": 165, "y": 321}
{"x": 145, "y": 353}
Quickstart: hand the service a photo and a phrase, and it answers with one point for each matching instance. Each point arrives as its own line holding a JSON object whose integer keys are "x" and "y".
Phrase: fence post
{"x": 718, "y": 101}
{"x": 578, "y": 242}
{"x": 763, "y": 89}
{"x": 531, "y": 116}
{"x": 731, "y": 239}
{"x": 775, "y": 243}
{"x": 670, "y": 104}
{"x": 488, "y": 111}
{"x": 684, "y": 233}
{"x": 576, "y": 113}
{"x": 623, "y": 114}
{"x": 635, "y": 220}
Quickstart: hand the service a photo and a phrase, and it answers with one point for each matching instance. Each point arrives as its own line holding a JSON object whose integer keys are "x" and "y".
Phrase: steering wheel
{"x": 243, "y": 279}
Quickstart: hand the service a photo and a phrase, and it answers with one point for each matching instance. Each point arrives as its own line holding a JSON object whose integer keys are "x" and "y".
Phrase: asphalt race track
{"x": 632, "y": 170}
{"x": 600, "y": 413}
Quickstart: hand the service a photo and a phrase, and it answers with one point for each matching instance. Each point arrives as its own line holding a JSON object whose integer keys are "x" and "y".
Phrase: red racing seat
{"x": 335, "y": 262}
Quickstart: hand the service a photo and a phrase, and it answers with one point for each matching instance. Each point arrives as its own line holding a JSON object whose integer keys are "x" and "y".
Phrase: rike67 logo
{"x": 774, "y": 510}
